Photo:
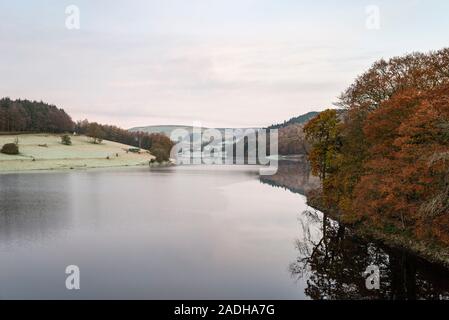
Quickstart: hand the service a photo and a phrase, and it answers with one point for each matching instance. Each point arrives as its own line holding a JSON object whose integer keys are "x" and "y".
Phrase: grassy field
{"x": 45, "y": 152}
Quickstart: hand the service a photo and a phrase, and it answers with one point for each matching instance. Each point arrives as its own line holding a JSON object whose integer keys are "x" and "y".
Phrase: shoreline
{"x": 24, "y": 166}
{"x": 73, "y": 169}
{"x": 429, "y": 251}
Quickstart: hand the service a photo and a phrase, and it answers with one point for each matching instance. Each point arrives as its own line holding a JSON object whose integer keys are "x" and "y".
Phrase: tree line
{"x": 157, "y": 143}
{"x": 32, "y": 116}
{"x": 386, "y": 161}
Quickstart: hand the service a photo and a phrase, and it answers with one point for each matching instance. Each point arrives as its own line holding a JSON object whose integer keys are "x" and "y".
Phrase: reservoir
{"x": 190, "y": 232}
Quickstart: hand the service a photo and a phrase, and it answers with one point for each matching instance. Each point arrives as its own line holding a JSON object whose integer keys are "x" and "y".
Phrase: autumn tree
{"x": 161, "y": 154}
{"x": 391, "y": 167}
{"x": 323, "y": 132}
{"x": 95, "y": 132}
{"x": 405, "y": 183}
{"x": 383, "y": 82}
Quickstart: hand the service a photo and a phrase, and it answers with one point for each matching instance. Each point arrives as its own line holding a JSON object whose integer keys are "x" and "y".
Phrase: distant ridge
{"x": 291, "y": 136}
{"x": 168, "y": 129}
{"x": 165, "y": 129}
{"x": 302, "y": 119}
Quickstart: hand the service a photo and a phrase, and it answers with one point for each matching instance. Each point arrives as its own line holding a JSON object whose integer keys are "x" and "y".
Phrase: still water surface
{"x": 189, "y": 233}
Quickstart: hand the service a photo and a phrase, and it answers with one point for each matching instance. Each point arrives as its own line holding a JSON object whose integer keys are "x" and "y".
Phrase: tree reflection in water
{"x": 333, "y": 265}
{"x": 332, "y": 261}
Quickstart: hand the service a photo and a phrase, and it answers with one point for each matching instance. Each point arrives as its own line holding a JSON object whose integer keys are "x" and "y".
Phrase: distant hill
{"x": 291, "y": 136}
{"x": 168, "y": 129}
{"x": 302, "y": 119}
{"x": 193, "y": 137}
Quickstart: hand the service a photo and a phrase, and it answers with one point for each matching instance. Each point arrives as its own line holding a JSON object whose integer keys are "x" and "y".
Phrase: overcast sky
{"x": 222, "y": 63}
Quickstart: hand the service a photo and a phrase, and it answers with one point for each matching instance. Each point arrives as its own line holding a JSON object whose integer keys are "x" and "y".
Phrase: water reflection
{"x": 294, "y": 175}
{"x": 332, "y": 261}
{"x": 189, "y": 233}
{"x": 334, "y": 264}
{"x": 174, "y": 233}
{"x": 26, "y": 214}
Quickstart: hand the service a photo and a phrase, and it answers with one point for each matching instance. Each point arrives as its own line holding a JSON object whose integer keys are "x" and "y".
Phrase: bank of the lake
{"x": 46, "y": 152}
{"x": 430, "y": 251}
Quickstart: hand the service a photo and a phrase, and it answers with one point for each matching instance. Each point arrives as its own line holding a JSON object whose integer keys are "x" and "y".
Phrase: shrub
{"x": 160, "y": 154}
{"x": 134, "y": 150}
{"x": 66, "y": 140}
{"x": 10, "y": 148}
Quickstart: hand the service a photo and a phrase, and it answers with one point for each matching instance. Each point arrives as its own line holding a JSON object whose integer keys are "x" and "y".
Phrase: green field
{"x": 45, "y": 152}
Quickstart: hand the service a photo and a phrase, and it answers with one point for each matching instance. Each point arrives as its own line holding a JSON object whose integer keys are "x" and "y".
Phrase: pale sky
{"x": 227, "y": 63}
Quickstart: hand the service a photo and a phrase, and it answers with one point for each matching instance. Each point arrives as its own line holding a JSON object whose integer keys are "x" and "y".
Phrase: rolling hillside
{"x": 45, "y": 152}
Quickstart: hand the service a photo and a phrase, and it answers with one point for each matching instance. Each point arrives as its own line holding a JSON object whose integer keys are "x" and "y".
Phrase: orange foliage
{"x": 405, "y": 174}
{"x": 391, "y": 167}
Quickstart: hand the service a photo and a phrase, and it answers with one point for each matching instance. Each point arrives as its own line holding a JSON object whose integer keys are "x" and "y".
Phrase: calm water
{"x": 189, "y": 233}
